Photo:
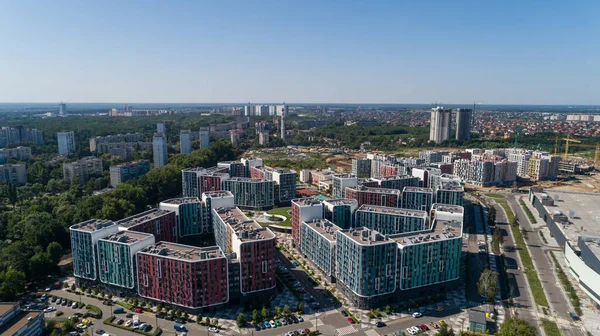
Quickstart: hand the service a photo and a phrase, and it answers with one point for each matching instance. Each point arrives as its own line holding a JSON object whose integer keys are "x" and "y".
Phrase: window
{"x": 116, "y": 255}
{"x": 145, "y": 280}
{"x": 441, "y": 267}
{"x": 157, "y": 224}
{"x": 429, "y": 253}
{"x": 87, "y": 268}
{"x": 264, "y": 267}
{"x": 105, "y": 266}
{"x": 158, "y": 268}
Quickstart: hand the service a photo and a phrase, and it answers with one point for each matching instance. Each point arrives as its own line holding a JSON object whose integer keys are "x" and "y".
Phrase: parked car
{"x": 299, "y": 317}
{"x": 424, "y": 327}
{"x": 380, "y": 324}
{"x": 99, "y": 331}
{"x": 213, "y": 330}
{"x": 278, "y": 323}
{"x": 351, "y": 320}
{"x": 179, "y": 327}
{"x": 574, "y": 316}
{"x": 267, "y": 324}
{"x": 417, "y": 314}
{"x": 283, "y": 321}
{"x": 180, "y": 320}
{"x": 344, "y": 313}
{"x": 294, "y": 318}
{"x": 138, "y": 310}
{"x": 257, "y": 327}
{"x": 120, "y": 321}
{"x": 307, "y": 331}
{"x": 129, "y": 315}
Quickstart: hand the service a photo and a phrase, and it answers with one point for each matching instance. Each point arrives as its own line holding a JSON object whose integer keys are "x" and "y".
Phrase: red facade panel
{"x": 162, "y": 227}
{"x": 257, "y": 265}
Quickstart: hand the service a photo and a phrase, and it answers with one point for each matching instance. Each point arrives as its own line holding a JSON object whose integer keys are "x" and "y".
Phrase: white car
{"x": 58, "y": 302}
{"x": 410, "y": 330}
{"x": 272, "y": 323}
{"x": 283, "y": 321}
{"x": 74, "y": 305}
{"x": 128, "y": 323}
{"x": 81, "y": 326}
{"x": 213, "y": 329}
{"x": 417, "y": 314}
{"x": 49, "y": 309}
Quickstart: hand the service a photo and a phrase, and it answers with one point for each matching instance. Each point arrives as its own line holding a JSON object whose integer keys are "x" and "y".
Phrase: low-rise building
{"x": 81, "y": 170}
{"x": 125, "y": 171}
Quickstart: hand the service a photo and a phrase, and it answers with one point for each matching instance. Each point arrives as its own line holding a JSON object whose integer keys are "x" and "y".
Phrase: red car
{"x": 351, "y": 320}
{"x": 138, "y": 310}
{"x": 307, "y": 331}
{"x": 424, "y": 327}
{"x": 302, "y": 291}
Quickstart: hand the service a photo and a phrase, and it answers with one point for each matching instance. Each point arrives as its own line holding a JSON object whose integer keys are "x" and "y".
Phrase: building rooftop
{"x": 440, "y": 230}
{"x": 127, "y": 237}
{"x": 393, "y": 211}
{"x": 306, "y": 201}
{"x": 342, "y": 176}
{"x": 323, "y": 226}
{"x": 376, "y": 190}
{"x": 183, "y": 252}
{"x": 418, "y": 189}
{"x": 6, "y": 306}
{"x": 575, "y": 213}
{"x": 16, "y": 323}
{"x": 142, "y": 217}
{"x": 216, "y": 194}
{"x": 341, "y": 201}
{"x": 277, "y": 170}
{"x": 129, "y": 163}
{"x": 212, "y": 171}
{"x": 244, "y": 228}
{"x": 447, "y": 208}
{"x": 365, "y": 236}
{"x": 182, "y": 200}
{"x": 249, "y": 179}
{"x": 451, "y": 185}
{"x": 393, "y": 177}
{"x": 477, "y": 316}
{"x": 92, "y": 225}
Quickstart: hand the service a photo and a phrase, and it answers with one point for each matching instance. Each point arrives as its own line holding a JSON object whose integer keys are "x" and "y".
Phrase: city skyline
{"x": 382, "y": 52}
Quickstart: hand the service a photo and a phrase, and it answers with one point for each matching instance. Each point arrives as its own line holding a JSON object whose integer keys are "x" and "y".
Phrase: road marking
{"x": 346, "y": 330}
{"x": 371, "y": 332}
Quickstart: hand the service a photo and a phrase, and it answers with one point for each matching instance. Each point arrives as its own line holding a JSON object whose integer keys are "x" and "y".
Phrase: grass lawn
{"x": 528, "y": 212}
{"x": 534, "y": 281}
{"x": 550, "y": 328}
{"x": 282, "y": 212}
{"x": 492, "y": 195}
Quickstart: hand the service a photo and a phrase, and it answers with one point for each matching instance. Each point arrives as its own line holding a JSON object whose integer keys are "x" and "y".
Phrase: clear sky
{"x": 336, "y": 51}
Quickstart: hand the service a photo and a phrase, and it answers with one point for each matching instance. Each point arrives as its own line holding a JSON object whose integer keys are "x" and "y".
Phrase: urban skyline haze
{"x": 509, "y": 52}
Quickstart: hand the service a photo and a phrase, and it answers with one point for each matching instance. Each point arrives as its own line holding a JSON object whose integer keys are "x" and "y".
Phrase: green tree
{"x": 11, "y": 193}
{"x": 488, "y": 284}
{"x": 255, "y": 316}
{"x": 73, "y": 287}
{"x": 377, "y": 312}
{"x": 516, "y": 327}
{"x": 207, "y": 321}
{"x": 277, "y": 312}
{"x": 11, "y": 284}
{"x": 445, "y": 331}
{"x": 41, "y": 265}
{"x": 286, "y": 310}
{"x": 199, "y": 318}
{"x": 264, "y": 313}
{"x": 241, "y": 320}
{"x": 300, "y": 308}
{"x": 215, "y": 322}
{"x": 388, "y": 309}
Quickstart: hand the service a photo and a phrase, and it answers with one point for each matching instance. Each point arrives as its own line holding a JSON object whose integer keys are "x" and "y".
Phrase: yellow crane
{"x": 568, "y": 140}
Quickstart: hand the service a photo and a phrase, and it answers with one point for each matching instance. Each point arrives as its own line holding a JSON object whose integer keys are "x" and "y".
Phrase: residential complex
{"x": 199, "y": 180}
{"x": 118, "y": 138}
{"x": 440, "y": 124}
{"x": 192, "y": 217}
{"x": 235, "y": 168}
{"x": 374, "y": 196}
{"x": 285, "y": 181}
{"x": 318, "y": 244}
{"x": 187, "y": 276}
{"x": 417, "y": 198}
{"x": 391, "y": 220}
{"x": 450, "y": 192}
{"x": 251, "y": 192}
{"x": 159, "y": 150}
{"x": 341, "y": 212}
{"x": 395, "y": 182}
{"x": 18, "y": 134}
{"x": 13, "y": 173}
{"x": 340, "y": 182}
{"x": 253, "y": 247}
{"x": 304, "y": 210}
{"x": 19, "y": 153}
{"x": 361, "y": 168}
{"x": 66, "y": 142}
{"x": 84, "y": 237}
{"x": 81, "y": 170}
{"x": 116, "y": 257}
{"x": 14, "y": 320}
{"x": 125, "y": 171}
{"x": 162, "y": 224}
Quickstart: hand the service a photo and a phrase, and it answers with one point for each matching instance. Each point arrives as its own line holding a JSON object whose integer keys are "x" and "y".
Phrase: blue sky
{"x": 491, "y": 52}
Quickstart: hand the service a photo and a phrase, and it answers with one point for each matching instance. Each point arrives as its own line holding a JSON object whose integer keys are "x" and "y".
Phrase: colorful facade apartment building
{"x": 285, "y": 181}
{"x": 366, "y": 264}
{"x": 116, "y": 257}
{"x": 318, "y": 244}
{"x": 450, "y": 192}
{"x": 162, "y": 224}
{"x": 417, "y": 198}
{"x": 251, "y": 193}
{"x": 391, "y": 220}
{"x": 374, "y": 196}
{"x": 192, "y": 217}
{"x": 340, "y": 212}
{"x": 340, "y": 182}
{"x": 84, "y": 237}
{"x": 253, "y": 248}
{"x": 187, "y": 276}
{"x": 396, "y": 182}
{"x": 304, "y": 210}
{"x": 234, "y": 168}
{"x": 196, "y": 181}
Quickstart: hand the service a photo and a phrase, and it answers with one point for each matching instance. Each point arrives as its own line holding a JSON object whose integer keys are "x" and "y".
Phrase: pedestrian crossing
{"x": 347, "y": 330}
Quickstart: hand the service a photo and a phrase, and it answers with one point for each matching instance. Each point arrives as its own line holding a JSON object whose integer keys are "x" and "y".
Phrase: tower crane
{"x": 568, "y": 140}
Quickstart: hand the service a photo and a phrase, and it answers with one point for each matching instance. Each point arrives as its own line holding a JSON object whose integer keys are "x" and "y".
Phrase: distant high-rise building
{"x": 282, "y": 110}
{"x": 204, "y": 137}
{"x": 160, "y": 128}
{"x": 249, "y": 110}
{"x": 81, "y": 170}
{"x": 283, "y": 128}
{"x": 159, "y": 150}
{"x": 263, "y": 138}
{"x": 463, "y": 124}
{"x": 129, "y": 170}
{"x": 14, "y": 173}
{"x": 440, "y": 124}
{"x": 66, "y": 142}
{"x": 62, "y": 108}
{"x": 185, "y": 141}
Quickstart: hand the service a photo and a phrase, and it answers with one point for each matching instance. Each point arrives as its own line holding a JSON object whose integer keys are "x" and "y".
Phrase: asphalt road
{"x": 523, "y": 303}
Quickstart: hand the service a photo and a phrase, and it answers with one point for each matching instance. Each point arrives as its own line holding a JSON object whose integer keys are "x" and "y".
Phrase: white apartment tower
{"x": 440, "y": 124}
